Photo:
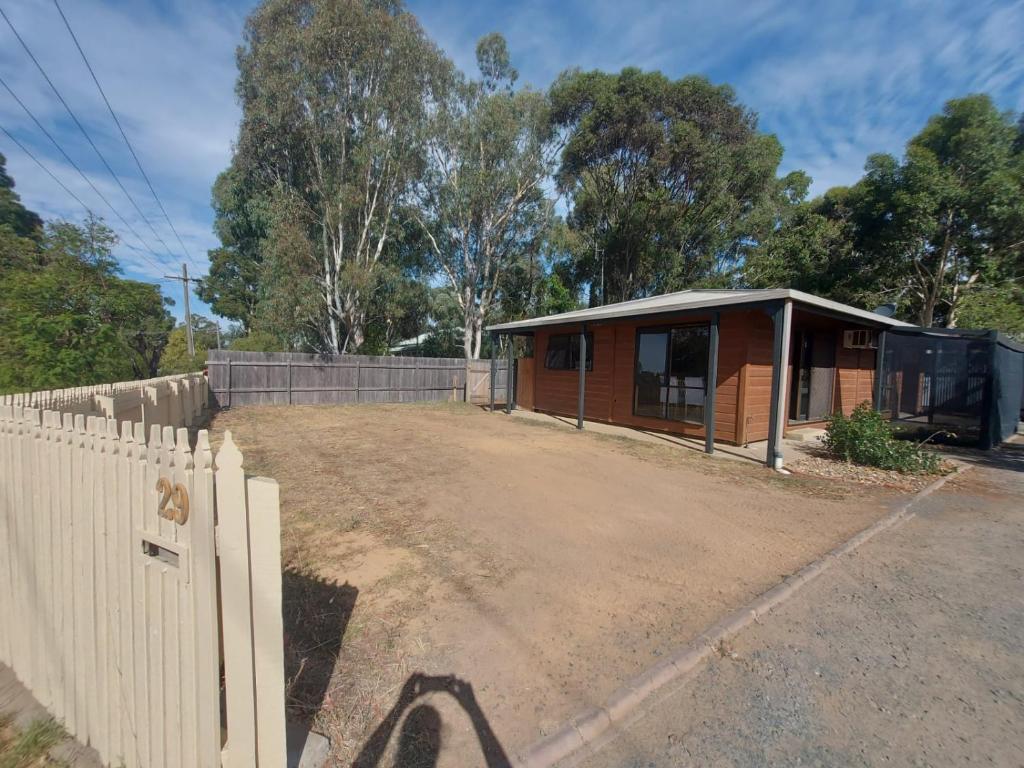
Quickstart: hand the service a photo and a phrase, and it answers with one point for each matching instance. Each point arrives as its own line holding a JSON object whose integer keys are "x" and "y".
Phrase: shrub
{"x": 867, "y": 438}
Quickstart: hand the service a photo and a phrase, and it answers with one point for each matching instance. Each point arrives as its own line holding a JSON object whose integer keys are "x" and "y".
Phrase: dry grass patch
{"x": 526, "y": 572}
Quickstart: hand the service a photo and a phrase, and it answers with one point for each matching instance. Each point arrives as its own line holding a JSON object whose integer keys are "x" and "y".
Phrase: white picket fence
{"x": 139, "y": 578}
{"x": 178, "y": 400}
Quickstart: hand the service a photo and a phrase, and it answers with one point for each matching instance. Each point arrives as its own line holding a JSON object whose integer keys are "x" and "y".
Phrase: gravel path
{"x": 910, "y": 652}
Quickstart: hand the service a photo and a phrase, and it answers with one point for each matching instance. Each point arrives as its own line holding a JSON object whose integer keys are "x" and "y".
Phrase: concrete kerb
{"x": 593, "y": 726}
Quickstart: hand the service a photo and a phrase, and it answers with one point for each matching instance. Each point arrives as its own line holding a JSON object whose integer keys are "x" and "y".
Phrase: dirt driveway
{"x": 460, "y": 583}
{"x": 910, "y": 651}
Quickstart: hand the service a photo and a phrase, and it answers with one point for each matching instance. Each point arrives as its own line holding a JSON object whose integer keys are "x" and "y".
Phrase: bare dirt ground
{"x": 908, "y": 652}
{"x": 459, "y": 583}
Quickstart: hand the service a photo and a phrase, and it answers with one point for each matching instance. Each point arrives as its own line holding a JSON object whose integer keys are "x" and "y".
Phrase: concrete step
{"x": 807, "y": 434}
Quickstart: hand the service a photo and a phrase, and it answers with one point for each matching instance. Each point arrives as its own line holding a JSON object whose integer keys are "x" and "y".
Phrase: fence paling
{"x": 117, "y": 630}
{"x": 244, "y": 378}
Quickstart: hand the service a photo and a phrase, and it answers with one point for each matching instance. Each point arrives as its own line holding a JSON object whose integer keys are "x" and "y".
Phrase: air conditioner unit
{"x": 860, "y": 339}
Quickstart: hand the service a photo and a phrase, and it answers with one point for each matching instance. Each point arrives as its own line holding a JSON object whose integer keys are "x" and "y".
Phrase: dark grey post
{"x": 290, "y": 380}
{"x": 229, "y": 383}
{"x": 712, "y": 384}
{"x": 509, "y": 383}
{"x": 991, "y": 428}
{"x": 583, "y": 376}
{"x": 778, "y": 361}
{"x": 494, "y": 366}
{"x": 880, "y": 370}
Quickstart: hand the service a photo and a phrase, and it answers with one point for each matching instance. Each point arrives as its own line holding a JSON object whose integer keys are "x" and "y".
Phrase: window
{"x": 671, "y": 374}
{"x": 564, "y": 352}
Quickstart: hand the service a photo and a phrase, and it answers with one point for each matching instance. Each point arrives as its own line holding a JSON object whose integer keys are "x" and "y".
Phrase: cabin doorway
{"x": 812, "y": 383}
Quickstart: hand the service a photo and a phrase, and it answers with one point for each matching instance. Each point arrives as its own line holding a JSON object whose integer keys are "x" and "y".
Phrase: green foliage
{"x": 175, "y": 357}
{"x": 256, "y": 341}
{"x": 21, "y": 221}
{"x": 67, "y": 319}
{"x": 334, "y": 97}
{"x": 865, "y": 437}
{"x": 29, "y": 748}
{"x": 666, "y": 178}
{"x": 928, "y": 232}
{"x": 241, "y": 218}
{"x": 482, "y": 203}
{"x": 999, "y": 307}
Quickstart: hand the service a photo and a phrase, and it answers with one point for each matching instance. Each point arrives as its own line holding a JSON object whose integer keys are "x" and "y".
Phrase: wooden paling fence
{"x": 115, "y": 544}
{"x": 286, "y": 378}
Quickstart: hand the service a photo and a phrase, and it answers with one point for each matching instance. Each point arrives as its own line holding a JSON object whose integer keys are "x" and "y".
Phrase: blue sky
{"x": 835, "y": 81}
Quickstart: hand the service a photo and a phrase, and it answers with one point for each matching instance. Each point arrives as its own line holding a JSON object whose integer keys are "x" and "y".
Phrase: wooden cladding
{"x": 743, "y": 380}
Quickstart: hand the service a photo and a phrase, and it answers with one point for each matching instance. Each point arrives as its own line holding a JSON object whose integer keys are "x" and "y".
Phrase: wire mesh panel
{"x": 961, "y": 386}
{"x": 1008, "y": 386}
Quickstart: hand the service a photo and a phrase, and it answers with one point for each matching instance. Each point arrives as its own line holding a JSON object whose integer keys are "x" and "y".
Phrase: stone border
{"x": 592, "y": 725}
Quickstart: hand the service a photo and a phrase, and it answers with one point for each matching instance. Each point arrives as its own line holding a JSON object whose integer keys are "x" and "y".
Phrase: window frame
{"x": 668, "y": 329}
{"x": 574, "y": 338}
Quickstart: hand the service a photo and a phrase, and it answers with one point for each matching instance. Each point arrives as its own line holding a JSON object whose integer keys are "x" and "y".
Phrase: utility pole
{"x": 185, "y": 279}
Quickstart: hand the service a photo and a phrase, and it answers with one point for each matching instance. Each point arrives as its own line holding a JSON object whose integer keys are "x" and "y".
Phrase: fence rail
{"x": 284, "y": 378}
{"x": 129, "y": 558}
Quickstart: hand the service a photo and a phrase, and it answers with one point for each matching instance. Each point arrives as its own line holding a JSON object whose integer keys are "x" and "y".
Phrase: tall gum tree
{"x": 334, "y": 98}
{"x": 482, "y": 203}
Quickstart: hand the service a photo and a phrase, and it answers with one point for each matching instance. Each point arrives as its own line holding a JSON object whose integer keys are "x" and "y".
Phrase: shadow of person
{"x": 416, "y": 686}
{"x": 316, "y": 614}
{"x": 419, "y": 744}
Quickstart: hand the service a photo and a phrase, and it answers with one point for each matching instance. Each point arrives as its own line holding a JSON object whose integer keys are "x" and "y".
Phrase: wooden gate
{"x": 478, "y": 381}
{"x": 109, "y": 562}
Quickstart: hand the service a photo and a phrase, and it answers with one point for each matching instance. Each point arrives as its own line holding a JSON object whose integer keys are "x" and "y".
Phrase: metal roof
{"x": 697, "y": 299}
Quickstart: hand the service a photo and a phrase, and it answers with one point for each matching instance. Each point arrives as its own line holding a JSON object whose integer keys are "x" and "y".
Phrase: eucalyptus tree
{"x": 334, "y": 97}
{"x": 939, "y": 232}
{"x": 661, "y": 176}
{"x": 950, "y": 215}
{"x": 482, "y": 203}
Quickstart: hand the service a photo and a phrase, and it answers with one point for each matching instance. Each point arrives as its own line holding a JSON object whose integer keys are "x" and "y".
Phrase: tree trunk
{"x": 467, "y": 339}
{"x": 478, "y": 332}
{"x": 355, "y": 322}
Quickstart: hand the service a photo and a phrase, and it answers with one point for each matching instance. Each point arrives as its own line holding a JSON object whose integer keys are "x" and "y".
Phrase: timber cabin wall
{"x": 758, "y": 337}
{"x": 854, "y": 380}
{"x": 744, "y": 376}
{"x": 609, "y": 386}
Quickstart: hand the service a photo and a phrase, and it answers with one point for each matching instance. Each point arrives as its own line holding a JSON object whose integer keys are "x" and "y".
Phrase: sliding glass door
{"x": 670, "y": 379}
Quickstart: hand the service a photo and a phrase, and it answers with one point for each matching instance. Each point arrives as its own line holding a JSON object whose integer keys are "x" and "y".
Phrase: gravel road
{"x": 909, "y": 652}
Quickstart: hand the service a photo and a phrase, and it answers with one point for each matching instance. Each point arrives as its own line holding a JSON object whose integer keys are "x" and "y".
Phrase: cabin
{"x": 781, "y": 360}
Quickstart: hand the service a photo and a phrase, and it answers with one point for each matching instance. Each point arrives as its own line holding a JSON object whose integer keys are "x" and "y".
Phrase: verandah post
{"x": 711, "y": 385}
{"x": 781, "y": 319}
{"x": 494, "y": 366}
{"x": 880, "y": 370}
{"x": 509, "y": 381}
{"x": 583, "y": 375}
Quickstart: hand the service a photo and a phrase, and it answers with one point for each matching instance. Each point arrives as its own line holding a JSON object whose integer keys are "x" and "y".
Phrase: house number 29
{"x": 173, "y": 501}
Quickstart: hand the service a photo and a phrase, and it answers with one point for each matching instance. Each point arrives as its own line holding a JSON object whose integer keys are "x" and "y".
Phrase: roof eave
{"x": 746, "y": 298}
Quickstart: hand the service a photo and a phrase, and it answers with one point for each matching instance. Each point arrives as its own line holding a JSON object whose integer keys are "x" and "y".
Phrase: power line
{"x": 124, "y": 135}
{"x": 63, "y": 186}
{"x": 84, "y": 132}
{"x": 81, "y": 173}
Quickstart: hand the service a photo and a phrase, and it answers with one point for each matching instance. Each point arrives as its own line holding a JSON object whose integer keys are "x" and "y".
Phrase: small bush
{"x": 867, "y": 438}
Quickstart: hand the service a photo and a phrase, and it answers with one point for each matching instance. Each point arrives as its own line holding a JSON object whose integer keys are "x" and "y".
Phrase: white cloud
{"x": 836, "y": 81}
